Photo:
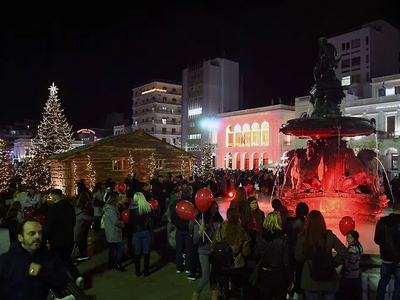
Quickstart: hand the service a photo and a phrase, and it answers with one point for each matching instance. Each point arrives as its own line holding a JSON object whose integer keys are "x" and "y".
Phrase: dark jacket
{"x": 332, "y": 242}
{"x": 137, "y": 222}
{"x": 59, "y": 224}
{"x": 294, "y": 226}
{"x": 180, "y": 224}
{"x": 17, "y": 284}
{"x": 277, "y": 246}
{"x": 387, "y": 236}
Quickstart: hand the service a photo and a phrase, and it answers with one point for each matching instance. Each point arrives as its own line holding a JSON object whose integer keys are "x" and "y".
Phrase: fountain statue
{"x": 327, "y": 175}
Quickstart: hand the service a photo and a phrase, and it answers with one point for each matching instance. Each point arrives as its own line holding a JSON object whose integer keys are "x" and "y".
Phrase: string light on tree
{"x": 91, "y": 174}
{"x": 37, "y": 173}
{"x": 131, "y": 164}
{"x": 206, "y": 164}
{"x": 4, "y": 173}
{"x": 75, "y": 177}
{"x": 183, "y": 166}
{"x": 194, "y": 168}
{"x": 152, "y": 166}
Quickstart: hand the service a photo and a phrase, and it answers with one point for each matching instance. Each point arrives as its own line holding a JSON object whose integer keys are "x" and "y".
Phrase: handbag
{"x": 253, "y": 279}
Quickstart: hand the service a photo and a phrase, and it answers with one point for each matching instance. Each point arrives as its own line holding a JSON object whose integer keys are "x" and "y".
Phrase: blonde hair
{"x": 273, "y": 221}
{"x": 113, "y": 199}
{"x": 143, "y": 206}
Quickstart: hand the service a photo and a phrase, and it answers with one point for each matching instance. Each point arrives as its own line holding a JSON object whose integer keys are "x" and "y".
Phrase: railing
{"x": 157, "y": 122}
{"x": 164, "y": 132}
{"x": 149, "y": 101}
{"x": 159, "y": 111}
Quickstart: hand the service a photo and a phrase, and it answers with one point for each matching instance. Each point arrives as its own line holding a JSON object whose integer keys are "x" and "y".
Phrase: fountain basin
{"x": 337, "y": 205}
{"x": 317, "y": 128}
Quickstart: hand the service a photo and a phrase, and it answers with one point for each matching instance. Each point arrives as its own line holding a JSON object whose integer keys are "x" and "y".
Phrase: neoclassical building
{"x": 250, "y": 138}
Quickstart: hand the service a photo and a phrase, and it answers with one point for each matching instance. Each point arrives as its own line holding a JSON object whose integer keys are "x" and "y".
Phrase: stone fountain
{"x": 327, "y": 175}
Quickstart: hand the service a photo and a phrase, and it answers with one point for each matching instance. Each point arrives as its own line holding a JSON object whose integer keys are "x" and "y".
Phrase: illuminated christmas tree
{"x": 183, "y": 166}
{"x": 91, "y": 174}
{"x": 4, "y": 174}
{"x": 54, "y": 133}
{"x": 75, "y": 177}
{"x": 131, "y": 163}
{"x": 194, "y": 168}
{"x": 37, "y": 173}
{"x": 152, "y": 166}
{"x": 206, "y": 162}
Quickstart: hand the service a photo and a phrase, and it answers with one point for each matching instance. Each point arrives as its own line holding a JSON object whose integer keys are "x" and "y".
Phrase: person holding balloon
{"x": 212, "y": 220}
{"x": 351, "y": 267}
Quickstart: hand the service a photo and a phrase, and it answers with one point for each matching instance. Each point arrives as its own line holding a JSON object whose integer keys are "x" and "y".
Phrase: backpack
{"x": 151, "y": 220}
{"x": 322, "y": 268}
{"x": 222, "y": 256}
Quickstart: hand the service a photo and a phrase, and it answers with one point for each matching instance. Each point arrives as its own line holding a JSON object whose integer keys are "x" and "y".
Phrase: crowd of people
{"x": 250, "y": 255}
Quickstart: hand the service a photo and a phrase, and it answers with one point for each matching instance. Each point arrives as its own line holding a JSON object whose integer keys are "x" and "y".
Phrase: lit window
{"x": 195, "y": 136}
{"x": 345, "y": 80}
{"x": 159, "y": 164}
{"x": 265, "y": 133}
{"x": 164, "y": 121}
{"x": 196, "y": 111}
{"x": 246, "y": 134}
{"x": 238, "y": 135}
{"x": 229, "y": 136}
{"x": 255, "y": 132}
{"x": 117, "y": 164}
{"x": 390, "y": 91}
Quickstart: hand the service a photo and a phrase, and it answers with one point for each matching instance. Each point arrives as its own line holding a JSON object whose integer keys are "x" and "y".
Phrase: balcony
{"x": 160, "y": 111}
{"x": 156, "y": 122}
{"x": 157, "y": 100}
{"x": 388, "y": 135}
{"x": 164, "y": 132}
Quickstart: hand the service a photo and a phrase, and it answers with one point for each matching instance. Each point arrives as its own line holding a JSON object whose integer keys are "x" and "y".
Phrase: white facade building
{"x": 371, "y": 51}
{"x": 157, "y": 109}
{"x": 383, "y": 107}
{"x": 209, "y": 88}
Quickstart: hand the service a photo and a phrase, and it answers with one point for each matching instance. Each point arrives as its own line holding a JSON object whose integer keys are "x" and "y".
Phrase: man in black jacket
{"x": 387, "y": 236}
{"x": 28, "y": 272}
{"x": 58, "y": 230}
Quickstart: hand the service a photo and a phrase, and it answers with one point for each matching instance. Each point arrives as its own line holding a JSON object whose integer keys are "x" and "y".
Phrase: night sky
{"x": 95, "y": 56}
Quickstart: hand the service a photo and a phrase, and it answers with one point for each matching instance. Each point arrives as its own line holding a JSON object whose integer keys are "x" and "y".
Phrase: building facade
{"x": 383, "y": 108}
{"x": 250, "y": 138}
{"x": 371, "y": 51}
{"x": 157, "y": 109}
{"x": 209, "y": 88}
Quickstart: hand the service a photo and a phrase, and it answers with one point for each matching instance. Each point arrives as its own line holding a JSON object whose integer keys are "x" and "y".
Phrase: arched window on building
{"x": 238, "y": 136}
{"x": 246, "y": 134}
{"x": 246, "y": 161}
{"x": 229, "y": 136}
{"x": 265, "y": 133}
{"x": 256, "y": 161}
{"x": 255, "y": 134}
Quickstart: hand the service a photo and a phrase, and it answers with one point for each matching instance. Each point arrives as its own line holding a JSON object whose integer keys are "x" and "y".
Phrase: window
{"x": 346, "y": 46}
{"x": 192, "y": 124}
{"x": 382, "y": 92}
{"x": 164, "y": 88}
{"x": 164, "y": 130}
{"x": 255, "y": 132}
{"x": 265, "y": 133}
{"x": 346, "y": 63}
{"x": 367, "y": 59}
{"x": 164, "y": 120}
{"x": 173, "y": 120}
{"x": 238, "y": 135}
{"x": 194, "y": 136}
{"x": 117, "y": 164}
{"x": 196, "y": 111}
{"x": 152, "y": 128}
{"x": 27, "y": 152}
{"x": 395, "y": 161}
{"x": 173, "y": 100}
{"x": 355, "y": 61}
{"x": 356, "y": 78}
{"x": 345, "y": 80}
{"x": 246, "y": 134}
{"x": 367, "y": 76}
{"x": 390, "y": 126}
{"x": 355, "y": 43}
{"x": 287, "y": 140}
{"x": 173, "y": 130}
{"x": 397, "y": 90}
{"x": 229, "y": 136}
{"x": 367, "y": 40}
{"x": 390, "y": 91}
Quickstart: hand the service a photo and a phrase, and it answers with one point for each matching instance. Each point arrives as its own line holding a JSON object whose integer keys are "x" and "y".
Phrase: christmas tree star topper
{"x": 53, "y": 89}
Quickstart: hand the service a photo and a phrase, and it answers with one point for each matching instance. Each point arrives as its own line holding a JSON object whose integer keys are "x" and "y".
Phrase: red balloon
{"x": 204, "y": 198}
{"x": 28, "y": 213}
{"x": 185, "y": 210}
{"x": 121, "y": 187}
{"x": 125, "y": 216}
{"x": 249, "y": 187}
{"x": 257, "y": 171}
{"x": 346, "y": 225}
{"x": 40, "y": 219}
{"x": 154, "y": 204}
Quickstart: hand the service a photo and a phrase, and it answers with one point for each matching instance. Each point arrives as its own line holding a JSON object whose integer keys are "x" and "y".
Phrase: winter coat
{"x": 98, "y": 203}
{"x": 240, "y": 250}
{"x": 59, "y": 224}
{"x": 387, "y": 236}
{"x": 180, "y": 224}
{"x": 137, "y": 222}
{"x": 112, "y": 224}
{"x": 17, "y": 284}
{"x": 82, "y": 221}
{"x": 294, "y": 226}
{"x": 276, "y": 244}
{"x": 204, "y": 245}
{"x": 30, "y": 201}
{"x": 332, "y": 242}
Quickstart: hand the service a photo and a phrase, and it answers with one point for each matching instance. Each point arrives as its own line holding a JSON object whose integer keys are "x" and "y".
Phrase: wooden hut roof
{"x": 138, "y": 138}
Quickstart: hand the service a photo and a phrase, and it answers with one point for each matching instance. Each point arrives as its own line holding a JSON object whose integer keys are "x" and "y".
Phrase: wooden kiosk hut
{"x": 116, "y": 157}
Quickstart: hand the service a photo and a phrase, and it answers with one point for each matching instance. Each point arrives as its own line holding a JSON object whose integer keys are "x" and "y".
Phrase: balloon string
{"x": 202, "y": 223}
{"x": 204, "y": 233}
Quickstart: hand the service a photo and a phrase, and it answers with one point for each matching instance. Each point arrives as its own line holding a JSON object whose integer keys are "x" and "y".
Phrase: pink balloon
{"x": 185, "y": 210}
{"x": 204, "y": 198}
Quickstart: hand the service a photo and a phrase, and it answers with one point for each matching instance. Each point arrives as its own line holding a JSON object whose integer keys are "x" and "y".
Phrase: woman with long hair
{"x": 272, "y": 252}
{"x": 253, "y": 218}
{"x": 319, "y": 278}
{"x": 83, "y": 220}
{"x": 113, "y": 229}
{"x": 138, "y": 221}
{"x": 98, "y": 204}
{"x": 233, "y": 234}
{"x": 240, "y": 200}
{"x": 212, "y": 219}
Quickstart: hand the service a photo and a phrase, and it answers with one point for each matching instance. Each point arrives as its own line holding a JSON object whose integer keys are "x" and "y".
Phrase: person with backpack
{"x": 387, "y": 236}
{"x": 272, "y": 253}
{"x": 212, "y": 219}
{"x": 351, "y": 268}
{"x": 142, "y": 221}
{"x": 320, "y": 280}
{"x": 230, "y": 246}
